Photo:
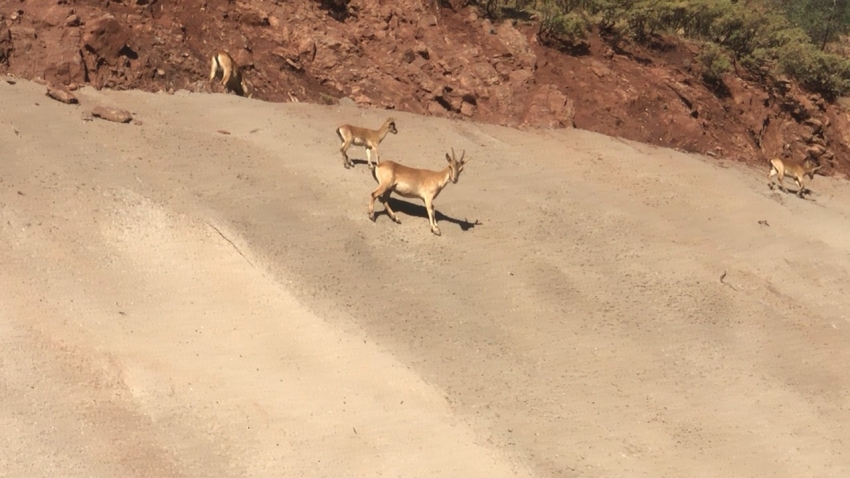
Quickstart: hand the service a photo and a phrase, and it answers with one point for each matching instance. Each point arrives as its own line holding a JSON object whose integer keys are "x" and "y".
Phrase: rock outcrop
{"x": 439, "y": 58}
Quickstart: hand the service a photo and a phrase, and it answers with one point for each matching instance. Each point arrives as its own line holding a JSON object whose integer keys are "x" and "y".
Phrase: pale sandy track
{"x": 177, "y": 302}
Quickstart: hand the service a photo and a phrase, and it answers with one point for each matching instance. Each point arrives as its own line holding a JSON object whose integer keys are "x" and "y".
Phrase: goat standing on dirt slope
{"x": 414, "y": 183}
{"x": 231, "y": 75}
{"x": 798, "y": 171}
{"x": 370, "y": 138}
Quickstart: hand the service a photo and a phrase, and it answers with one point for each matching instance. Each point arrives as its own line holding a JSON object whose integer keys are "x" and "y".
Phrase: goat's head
{"x": 391, "y": 126}
{"x": 456, "y": 165}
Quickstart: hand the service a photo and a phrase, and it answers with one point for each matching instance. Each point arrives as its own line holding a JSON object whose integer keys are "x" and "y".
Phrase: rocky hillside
{"x": 438, "y": 58}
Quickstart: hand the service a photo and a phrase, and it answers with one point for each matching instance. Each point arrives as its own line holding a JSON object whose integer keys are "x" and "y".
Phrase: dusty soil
{"x": 175, "y": 301}
{"x": 416, "y": 56}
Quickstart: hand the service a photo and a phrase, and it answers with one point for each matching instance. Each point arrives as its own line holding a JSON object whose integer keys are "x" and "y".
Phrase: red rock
{"x": 517, "y": 44}
{"x": 435, "y": 108}
{"x": 106, "y": 38}
{"x": 519, "y": 79}
{"x": 66, "y": 72}
{"x": 6, "y": 44}
{"x": 550, "y": 108}
{"x": 62, "y": 95}
{"x": 112, "y": 114}
{"x": 23, "y": 38}
{"x": 73, "y": 21}
{"x": 467, "y": 109}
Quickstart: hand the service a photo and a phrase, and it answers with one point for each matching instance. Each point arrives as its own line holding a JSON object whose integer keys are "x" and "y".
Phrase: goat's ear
{"x": 448, "y": 158}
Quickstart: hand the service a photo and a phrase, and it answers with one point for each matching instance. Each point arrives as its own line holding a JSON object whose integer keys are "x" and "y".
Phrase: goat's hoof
{"x": 436, "y": 231}
{"x": 372, "y": 217}
{"x": 396, "y": 220}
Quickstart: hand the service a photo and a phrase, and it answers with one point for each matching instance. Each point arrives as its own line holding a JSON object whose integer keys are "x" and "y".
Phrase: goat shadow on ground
{"x": 806, "y": 191}
{"x": 355, "y": 162}
{"x": 416, "y": 210}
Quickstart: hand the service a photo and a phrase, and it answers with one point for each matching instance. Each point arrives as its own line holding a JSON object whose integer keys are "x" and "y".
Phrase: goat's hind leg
{"x": 375, "y": 194}
{"x": 225, "y": 77}
{"x": 781, "y": 176}
{"x": 801, "y": 190}
{"x": 213, "y": 70}
{"x": 385, "y": 200}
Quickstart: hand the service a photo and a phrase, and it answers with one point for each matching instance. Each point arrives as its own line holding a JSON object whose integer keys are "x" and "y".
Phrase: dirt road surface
{"x": 178, "y": 302}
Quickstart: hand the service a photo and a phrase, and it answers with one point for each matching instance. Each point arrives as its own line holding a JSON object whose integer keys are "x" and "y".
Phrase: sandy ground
{"x": 176, "y": 302}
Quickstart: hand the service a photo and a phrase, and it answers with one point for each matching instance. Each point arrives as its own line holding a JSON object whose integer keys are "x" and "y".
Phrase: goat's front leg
{"x": 369, "y": 157}
{"x": 429, "y": 206}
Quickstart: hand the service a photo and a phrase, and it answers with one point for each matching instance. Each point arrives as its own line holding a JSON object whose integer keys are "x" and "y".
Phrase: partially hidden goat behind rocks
{"x": 232, "y": 78}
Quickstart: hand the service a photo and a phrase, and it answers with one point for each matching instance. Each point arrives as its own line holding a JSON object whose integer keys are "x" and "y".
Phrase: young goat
{"x": 798, "y": 171}
{"x": 231, "y": 75}
{"x": 370, "y": 138}
{"x": 414, "y": 183}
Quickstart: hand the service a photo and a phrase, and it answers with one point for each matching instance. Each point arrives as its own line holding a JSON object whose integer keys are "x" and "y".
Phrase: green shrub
{"x": 825, "y": 73}
{"x": 756, "y": 33}
{"x": 570, "y": 28}
{"x": 714, "y": 63}
{"x": 822, "y": 21}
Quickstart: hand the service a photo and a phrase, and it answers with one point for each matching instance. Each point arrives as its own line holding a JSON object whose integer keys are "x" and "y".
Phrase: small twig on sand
{"x": 231, "y": 243}
{"x": 723, "y": 276}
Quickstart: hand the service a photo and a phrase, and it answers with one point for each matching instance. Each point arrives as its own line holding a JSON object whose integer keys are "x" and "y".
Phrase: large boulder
{"x": 106, "y": 38}
{"x": 550, "y": 108}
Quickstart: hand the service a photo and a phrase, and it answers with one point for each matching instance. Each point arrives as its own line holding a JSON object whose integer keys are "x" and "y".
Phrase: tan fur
{"x": 798, "y": 171}
{"x": 414, "y": 183}
{"x": 370, "y": 138}
{"x": 232, "y": 78}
